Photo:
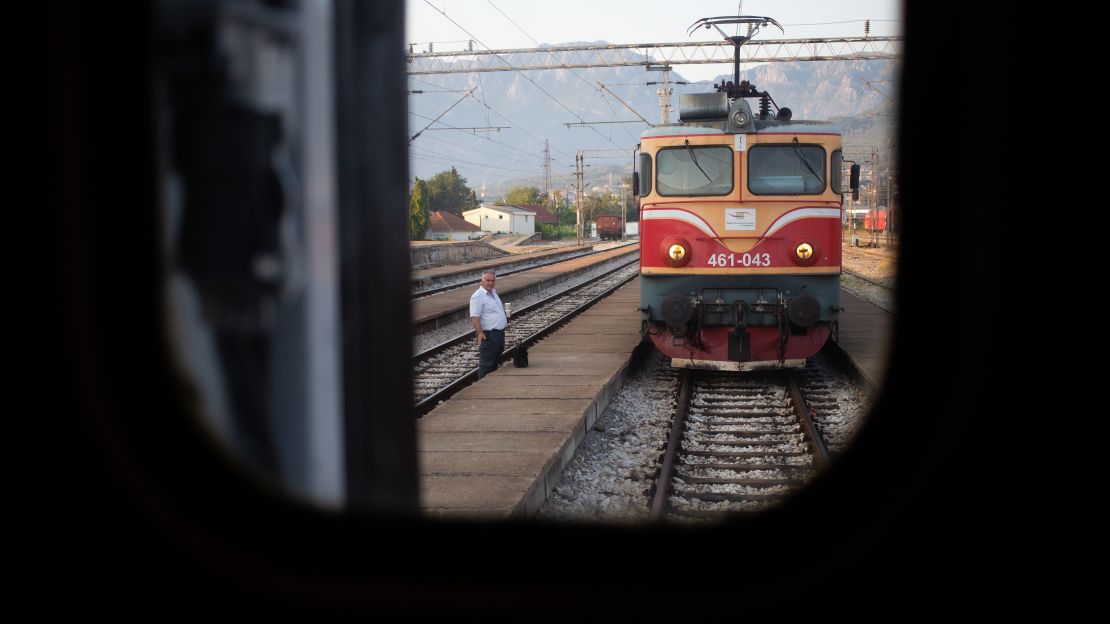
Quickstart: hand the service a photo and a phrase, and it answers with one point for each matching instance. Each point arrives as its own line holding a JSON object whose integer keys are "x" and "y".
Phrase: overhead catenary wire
{"x": 517, "y": 126}
{"x": 501, "y": 158}
{"x": 854, "y": 21}
{"x": 522, "y": 74}
{"x": 573, "y": 73}
{"x": 484, "y": 103}
{"x": 469, "y": 162}
{"x": 441, "y": 162}
{"x": 465, "y": 95}
{"x": 479, "y": 136}
{"x": 475, "y": 150}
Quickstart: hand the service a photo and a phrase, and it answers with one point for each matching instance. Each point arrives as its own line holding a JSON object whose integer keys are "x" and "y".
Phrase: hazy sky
{"x": 642, "y": 21}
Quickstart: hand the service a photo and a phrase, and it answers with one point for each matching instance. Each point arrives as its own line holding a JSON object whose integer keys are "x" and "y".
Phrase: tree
{"x": 419, "y": 216}
{"x": 518, "y": 195}
{"x": 447, "y": 191}
{"x": 604, "y": 204}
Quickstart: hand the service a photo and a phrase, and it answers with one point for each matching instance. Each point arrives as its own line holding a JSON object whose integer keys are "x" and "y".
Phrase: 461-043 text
{"x": 722, "y": 260}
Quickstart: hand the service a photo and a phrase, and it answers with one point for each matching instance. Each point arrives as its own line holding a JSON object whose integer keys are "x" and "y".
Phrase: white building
{"x": 504, "y": 219}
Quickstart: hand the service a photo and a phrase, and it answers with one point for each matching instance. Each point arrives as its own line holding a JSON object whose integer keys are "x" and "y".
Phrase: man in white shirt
{"x": 487, "y": 313}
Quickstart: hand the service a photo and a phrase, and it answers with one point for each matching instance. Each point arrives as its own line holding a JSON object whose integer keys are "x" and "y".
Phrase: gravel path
{"x": 875, "y": 264}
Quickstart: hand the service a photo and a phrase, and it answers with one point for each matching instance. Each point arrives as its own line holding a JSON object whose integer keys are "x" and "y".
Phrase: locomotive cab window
{"x": 645, "y": 174}
{"x": 694, "y": 170}
{"x": 835, "y": 176}
{"x": 786, "y": 169}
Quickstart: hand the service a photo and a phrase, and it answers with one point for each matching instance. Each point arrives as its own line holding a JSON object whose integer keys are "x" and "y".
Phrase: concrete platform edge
{"x": 537, "y": 495}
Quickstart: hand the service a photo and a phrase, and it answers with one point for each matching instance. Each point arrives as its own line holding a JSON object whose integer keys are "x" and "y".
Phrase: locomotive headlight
{"x": 739, "y": 118}
{"x": 804, "y": 251}
{"x": 675, "y": 251}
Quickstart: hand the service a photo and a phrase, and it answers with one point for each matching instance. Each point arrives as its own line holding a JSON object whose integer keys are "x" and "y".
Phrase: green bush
{"x": 555, "y": 232}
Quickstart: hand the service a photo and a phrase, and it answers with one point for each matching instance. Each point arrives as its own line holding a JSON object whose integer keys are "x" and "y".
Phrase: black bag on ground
{"x": 520, "y": 358}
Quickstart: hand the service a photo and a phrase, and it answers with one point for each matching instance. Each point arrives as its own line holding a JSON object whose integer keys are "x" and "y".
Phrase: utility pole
{"x": 664, "y": 92}
{"x": 547, "y": 169}
{"x": 890, "y": 193}
{"x": 874, "y": 197}
{"x": 624, "y": 204}
{"x": 578, "y": 198}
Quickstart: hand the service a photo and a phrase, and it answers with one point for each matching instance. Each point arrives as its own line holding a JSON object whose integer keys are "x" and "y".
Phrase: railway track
{"x": 442, "y": 370}
{"x": 741, "y": 443}
{"x": 468, "y": 278}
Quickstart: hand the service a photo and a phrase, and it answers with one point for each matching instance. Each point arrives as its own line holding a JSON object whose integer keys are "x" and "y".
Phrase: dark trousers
{"x": 490, "y": 351}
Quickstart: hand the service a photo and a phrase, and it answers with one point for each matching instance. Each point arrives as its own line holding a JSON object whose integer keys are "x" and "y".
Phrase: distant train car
{"x": 609, "y": 227}
{"x": 740, "y": 216}
{"x": 875, "y": 220}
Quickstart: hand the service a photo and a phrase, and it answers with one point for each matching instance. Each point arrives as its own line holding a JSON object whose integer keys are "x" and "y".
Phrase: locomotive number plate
{"x": 723, "y": 260}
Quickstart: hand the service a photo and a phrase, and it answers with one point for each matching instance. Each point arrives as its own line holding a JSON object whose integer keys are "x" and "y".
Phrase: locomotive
{"x": 740, "y": 214}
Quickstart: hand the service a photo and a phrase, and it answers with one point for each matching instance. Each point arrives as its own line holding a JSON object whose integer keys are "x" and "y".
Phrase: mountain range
{"x": 520, "y": 110}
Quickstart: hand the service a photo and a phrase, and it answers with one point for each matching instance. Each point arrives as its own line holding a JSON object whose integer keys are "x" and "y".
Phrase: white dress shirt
{"x": 487, "y": 306}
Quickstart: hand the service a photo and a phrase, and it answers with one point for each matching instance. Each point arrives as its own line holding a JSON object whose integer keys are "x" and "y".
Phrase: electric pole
{"x": 547, "y": 170}
{"x": 578, "y": 173}
{"x": 664, "y": 94}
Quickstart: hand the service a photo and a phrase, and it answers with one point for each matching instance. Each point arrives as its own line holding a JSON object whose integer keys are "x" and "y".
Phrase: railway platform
{"x": 864, "y": 336}
{"x": 495, "y": 450}
{"x": 431, "y": 276}
{"x": 429, "y": 313}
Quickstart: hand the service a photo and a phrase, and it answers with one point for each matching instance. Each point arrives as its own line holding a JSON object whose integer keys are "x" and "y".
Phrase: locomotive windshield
{"x": 786, "y": 169}
{"x": 694, "y": 170}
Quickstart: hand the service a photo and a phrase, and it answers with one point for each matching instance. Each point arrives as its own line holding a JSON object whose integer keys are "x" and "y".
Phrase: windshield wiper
{"x": 695, "y": 159}
{"x": 798, "y": 153}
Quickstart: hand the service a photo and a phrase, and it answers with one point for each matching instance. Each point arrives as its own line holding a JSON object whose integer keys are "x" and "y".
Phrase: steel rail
{"x": 542, "y": 262}
{"x": 443, "y": 346}
{"x": 666, "y": 472}
{"x": 805, "y": 415}
{"x": 791, "y": 477}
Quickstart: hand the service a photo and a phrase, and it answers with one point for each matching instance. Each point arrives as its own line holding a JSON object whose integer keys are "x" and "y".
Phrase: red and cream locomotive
{"x": 740, "y": 227}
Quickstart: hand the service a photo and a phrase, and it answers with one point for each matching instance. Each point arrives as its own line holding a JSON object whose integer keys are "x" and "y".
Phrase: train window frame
{"x": 836, "y": 175}
{"x": 684, "y": 149}
{"x": 645, "y": 174}
{"x": 755, "y": 150}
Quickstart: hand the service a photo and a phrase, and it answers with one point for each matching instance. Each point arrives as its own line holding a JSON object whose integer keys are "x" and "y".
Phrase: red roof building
{"x": 543, "y": 215}
{"x": 449, "y": 226}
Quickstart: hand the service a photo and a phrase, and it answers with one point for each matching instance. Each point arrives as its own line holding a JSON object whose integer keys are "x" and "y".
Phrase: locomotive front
{"x": 740, "y": 217}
